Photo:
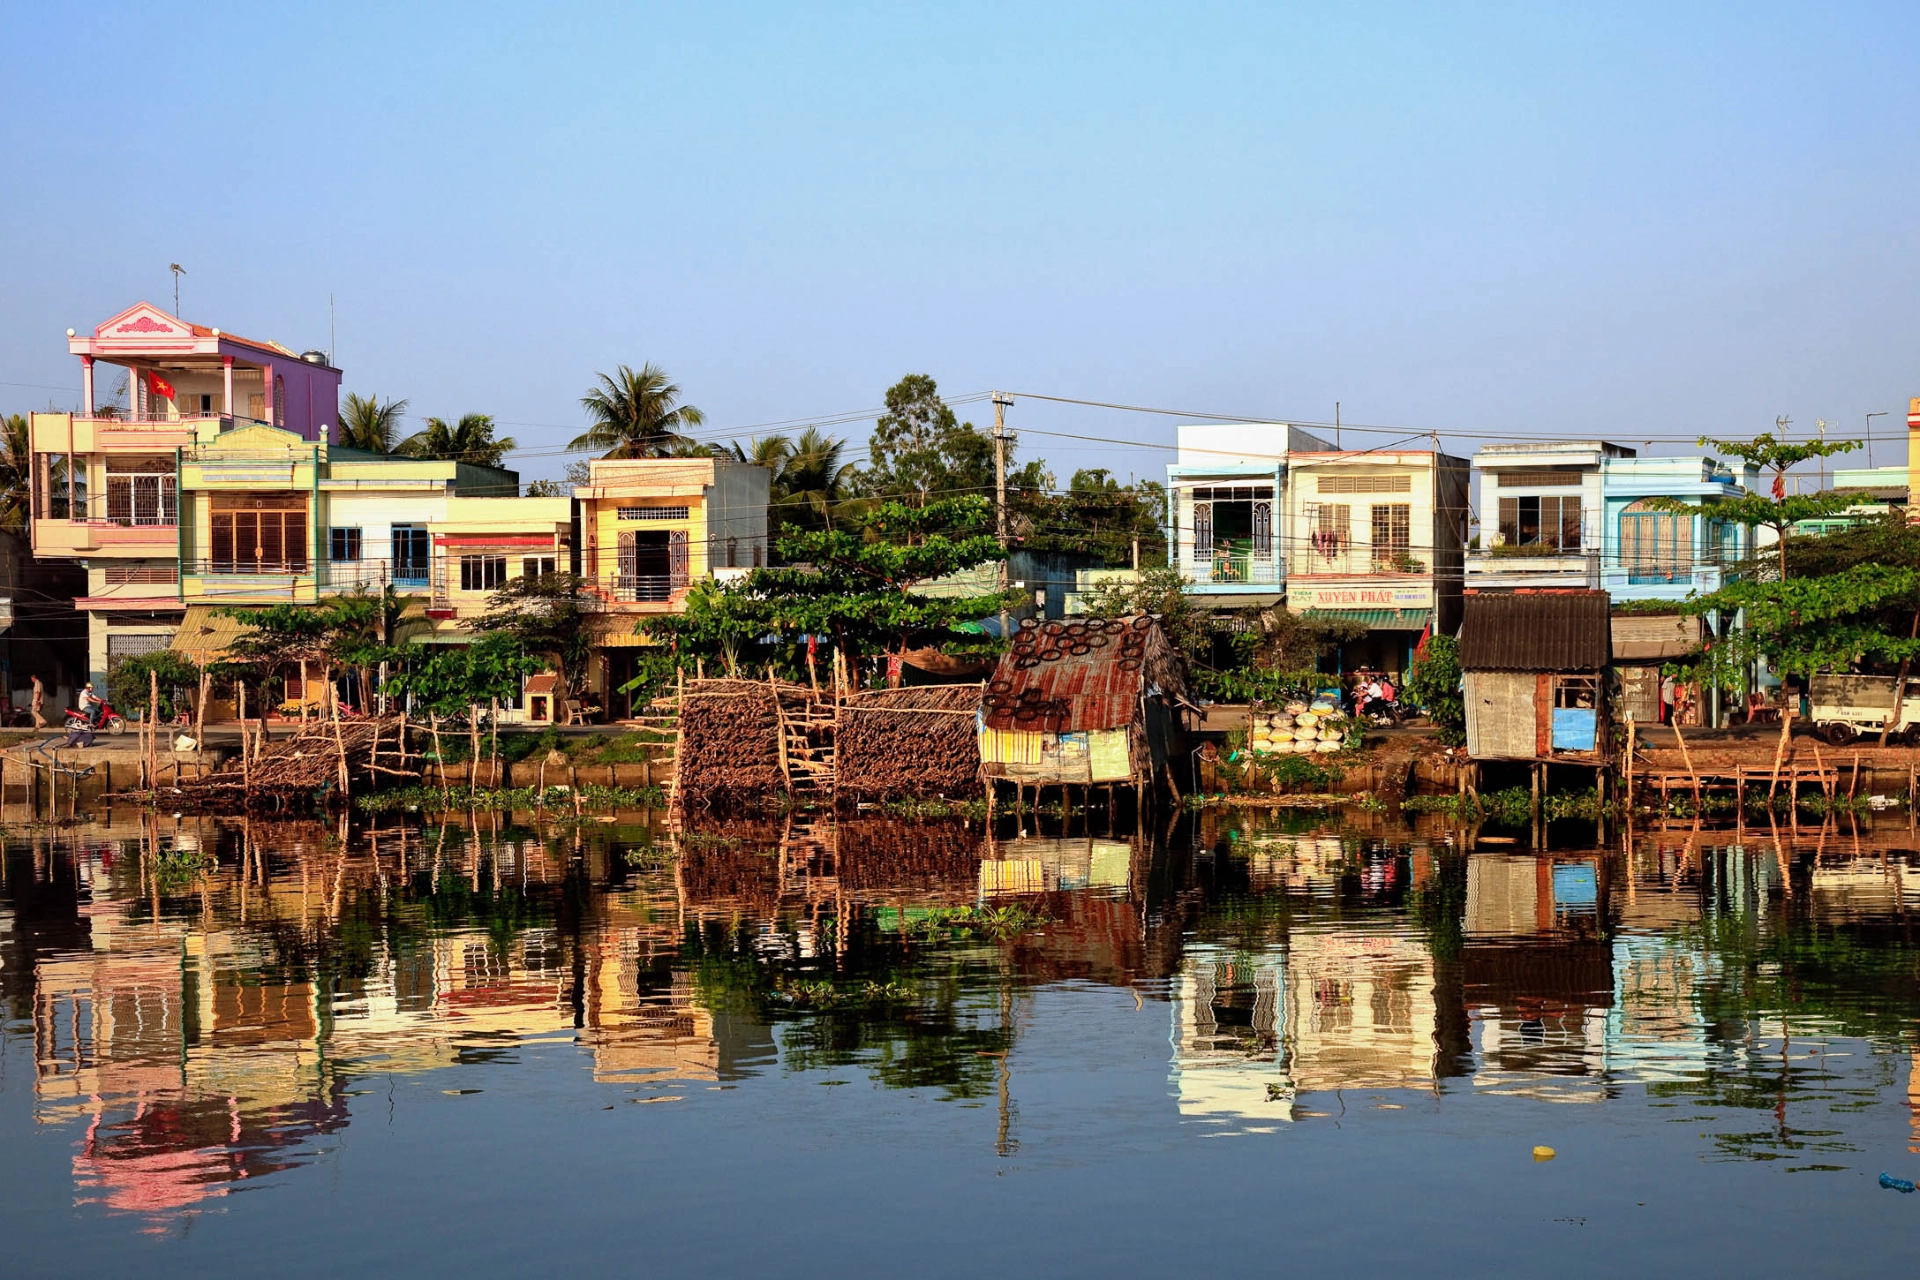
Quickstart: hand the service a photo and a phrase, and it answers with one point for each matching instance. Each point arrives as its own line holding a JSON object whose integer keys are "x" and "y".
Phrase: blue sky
{"x": 1490, "y": 221}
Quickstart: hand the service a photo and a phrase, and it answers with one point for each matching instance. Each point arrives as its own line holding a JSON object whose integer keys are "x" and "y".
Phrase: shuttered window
{"x": 266, "y": 533}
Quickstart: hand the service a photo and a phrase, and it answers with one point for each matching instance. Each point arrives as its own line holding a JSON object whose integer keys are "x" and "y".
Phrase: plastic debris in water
{"x": 1892, "y": 1183}
{"x": 1544, "y": 1153}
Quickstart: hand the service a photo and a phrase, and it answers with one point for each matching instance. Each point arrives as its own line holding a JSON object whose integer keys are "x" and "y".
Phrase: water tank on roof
{"x": 314, "y": 357}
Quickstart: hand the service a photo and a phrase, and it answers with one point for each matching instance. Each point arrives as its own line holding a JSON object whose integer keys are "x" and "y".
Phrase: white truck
{"x": 1848, "y": 707}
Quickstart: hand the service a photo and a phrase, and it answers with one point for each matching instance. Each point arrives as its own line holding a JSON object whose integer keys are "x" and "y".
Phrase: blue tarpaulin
{"x": 1574, "y": 728}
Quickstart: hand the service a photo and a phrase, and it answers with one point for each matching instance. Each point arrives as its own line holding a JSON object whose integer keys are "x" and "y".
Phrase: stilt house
{"x": 1083, "y": 703}
{"x": 1534, "y": 668}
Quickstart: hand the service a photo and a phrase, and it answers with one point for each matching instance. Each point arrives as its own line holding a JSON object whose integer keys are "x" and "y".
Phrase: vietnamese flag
{"x": 158, "y": 385}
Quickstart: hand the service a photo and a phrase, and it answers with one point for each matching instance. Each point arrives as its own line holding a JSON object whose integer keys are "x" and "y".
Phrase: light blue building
{"x": 1663, "y": 555}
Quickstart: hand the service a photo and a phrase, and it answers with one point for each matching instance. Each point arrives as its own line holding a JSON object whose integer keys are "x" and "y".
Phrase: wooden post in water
{"x": 1687, "y": 756}
{"x": 153, "y": 732}
{"x": 246, "y": 763}
{"x": 496, "y": 744}
{"x": 439, "y": 756}
{"x": 200, "y": 728}
{"x": 473, "y": 747}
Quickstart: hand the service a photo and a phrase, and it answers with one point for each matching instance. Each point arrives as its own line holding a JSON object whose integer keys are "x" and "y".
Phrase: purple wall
{"x": 307, "y": 396}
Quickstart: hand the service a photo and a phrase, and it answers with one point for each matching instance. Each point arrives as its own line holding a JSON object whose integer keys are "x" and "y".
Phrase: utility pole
{"x": 1000, "y": 402}
{"x": 1821, "y": 425}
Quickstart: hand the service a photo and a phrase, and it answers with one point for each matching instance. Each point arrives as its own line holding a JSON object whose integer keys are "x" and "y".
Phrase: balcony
{"x": 128, "y": 433}
{"x": 639, "y": 592}
{"x": 1233, "y": 565}
{"x": 1328, "y": 558}
{"x": 1509, "y": 568}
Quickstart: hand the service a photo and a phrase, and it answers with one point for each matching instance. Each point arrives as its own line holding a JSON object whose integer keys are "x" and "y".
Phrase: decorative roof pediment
{"x": 144, "y": 327}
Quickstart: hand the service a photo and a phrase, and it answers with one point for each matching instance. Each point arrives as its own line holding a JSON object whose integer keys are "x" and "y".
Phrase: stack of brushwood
{"x": 308, "y": 764}
{"x": 916, "y": 743}
{"x": 730, "y": 741}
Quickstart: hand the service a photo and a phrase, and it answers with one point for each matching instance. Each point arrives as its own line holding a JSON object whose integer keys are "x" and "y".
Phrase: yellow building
{"x": 650, "y": 528}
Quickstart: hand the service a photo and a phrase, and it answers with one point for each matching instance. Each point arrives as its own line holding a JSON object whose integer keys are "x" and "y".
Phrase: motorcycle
{"x": 110, "y": 720}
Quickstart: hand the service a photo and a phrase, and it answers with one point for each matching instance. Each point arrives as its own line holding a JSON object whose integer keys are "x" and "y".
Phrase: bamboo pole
{"x": 1687, "y": 756}
{"x": 496, "y": 744}
{"x": 340, "y": 745}
{"x": 1780, "y": 751}
{"x": 439, "y": 756}
{"x": 200, "y": 727}
{"x": 473, "y": 752}
{"x": 246, "y": 764}
{"x": 1633, "y": 727}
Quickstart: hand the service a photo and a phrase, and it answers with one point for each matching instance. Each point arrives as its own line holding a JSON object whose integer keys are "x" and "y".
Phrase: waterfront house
{"x": 105, "y": 480}
{"x": 1534, "y": 668}
{"x": 650, "y": 528}
{"x": 1378, "y": 538}
{"x": 1226, "y": 504}
{"x": 1083, "y": 703}
{"x": 1663, "y": 555}
{"x": 1541, "y": 525}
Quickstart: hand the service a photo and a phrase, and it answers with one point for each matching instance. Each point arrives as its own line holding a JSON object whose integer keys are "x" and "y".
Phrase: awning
{"x": 204, "y": 635}
{"x": 621, "y": 633}
{"x": 1377, "y": 619}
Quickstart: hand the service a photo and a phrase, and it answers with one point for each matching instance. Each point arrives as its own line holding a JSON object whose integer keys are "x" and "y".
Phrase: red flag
{"x": 1420, "y": 649}
{"x": 159, "y": 386}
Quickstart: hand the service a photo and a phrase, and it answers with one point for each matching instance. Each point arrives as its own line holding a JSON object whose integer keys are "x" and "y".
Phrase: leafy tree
{"x": 546, "y": 489}
{"x": 348, "y": 632}
{"x": 546, "y": 614}
{"x": 1097, "y": 515}
{"x": 1434, "y": 683}
{"x": 636, "y": 414}
{"x": 469, "y": 440}
{"x": 366, "y": 423}
{"x": 1163, "y": 593}
{"x": 16, "y": 473}
{"x": 860, "y": 591}
{"x": 450, "y": 680}
{"x": 130, "y": 683}
{"x": 1799, "y": 625}
{"x": 920, "y": 451}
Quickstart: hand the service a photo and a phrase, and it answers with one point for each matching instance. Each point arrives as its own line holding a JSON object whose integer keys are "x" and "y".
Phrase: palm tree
{"x": 16, "y": 473}
{"x": 367, "y": 424}
{"x": 469, "y": 440}
{"x": 636, "y": 415}
{"x": 813, "y": 477}
{"x": 770, "y": 452}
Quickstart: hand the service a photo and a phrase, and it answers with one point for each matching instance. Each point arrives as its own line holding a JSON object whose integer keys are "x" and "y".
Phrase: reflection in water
{"x": 204, "y": 1000}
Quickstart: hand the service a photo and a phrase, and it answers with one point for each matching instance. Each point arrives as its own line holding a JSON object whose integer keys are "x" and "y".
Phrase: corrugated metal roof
{"x": 1043, "y": 685}
{"x": 1543, "y": 631}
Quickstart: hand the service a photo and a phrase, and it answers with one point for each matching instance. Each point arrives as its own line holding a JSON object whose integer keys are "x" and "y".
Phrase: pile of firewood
{"x": 900, "y": 743}
{"x": 310, "y": 762}
{"x": 729, "y": 744}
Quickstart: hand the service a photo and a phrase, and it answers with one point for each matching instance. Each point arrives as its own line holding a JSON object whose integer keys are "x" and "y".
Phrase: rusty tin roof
{"x": 1078, "y": 675}
{"x": 1547, "y": 631}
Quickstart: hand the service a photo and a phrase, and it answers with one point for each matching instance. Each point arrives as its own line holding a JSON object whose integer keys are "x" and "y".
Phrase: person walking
{"x": 39, "y": 704}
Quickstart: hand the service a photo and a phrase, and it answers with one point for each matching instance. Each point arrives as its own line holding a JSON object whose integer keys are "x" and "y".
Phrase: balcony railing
{"x": 1347, "y": 559}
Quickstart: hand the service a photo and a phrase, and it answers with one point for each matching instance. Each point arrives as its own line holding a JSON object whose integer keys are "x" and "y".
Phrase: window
{"x": 1392, "y": 535}
{"x": 346, "y": 544}
{"x": 1656, "y": 546}
{"x": 483, "y": 573}
{"x": 1263, "y": 531}
{"x": 653, "y": 513}
{"x": 410, "y": 553}
{"x": 1234, "y": 493}
{"x": 1364, "y": 484}
{"x": 1203, "y": 531}
{"x": 536, "y": 566}
{"x": 141, "y": 491}
{"x": 259, "y": 533}
{"x": 1549, "y": 521}
{"x": 206, "y": 406}
{"x": 257, "y": 407}
{"x": 733, "y": 553}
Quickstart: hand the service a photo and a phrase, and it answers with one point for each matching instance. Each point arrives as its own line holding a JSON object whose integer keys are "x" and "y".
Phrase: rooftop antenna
{"x": 1870, "y": 418}
{"x": 178, "y": 271}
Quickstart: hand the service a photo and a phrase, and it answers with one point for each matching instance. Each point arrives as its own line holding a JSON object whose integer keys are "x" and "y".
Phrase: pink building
{"x": 179, "y": 372}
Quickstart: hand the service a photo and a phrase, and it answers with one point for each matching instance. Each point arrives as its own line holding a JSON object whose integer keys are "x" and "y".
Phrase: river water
{"x": 1279, "y": 1044}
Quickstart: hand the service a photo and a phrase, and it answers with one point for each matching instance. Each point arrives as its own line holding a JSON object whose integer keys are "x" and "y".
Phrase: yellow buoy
{"x": 1543, "y": 1153}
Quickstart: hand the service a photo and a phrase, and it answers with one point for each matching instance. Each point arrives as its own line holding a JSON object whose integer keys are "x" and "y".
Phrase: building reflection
{"x": 204, "y": 998}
